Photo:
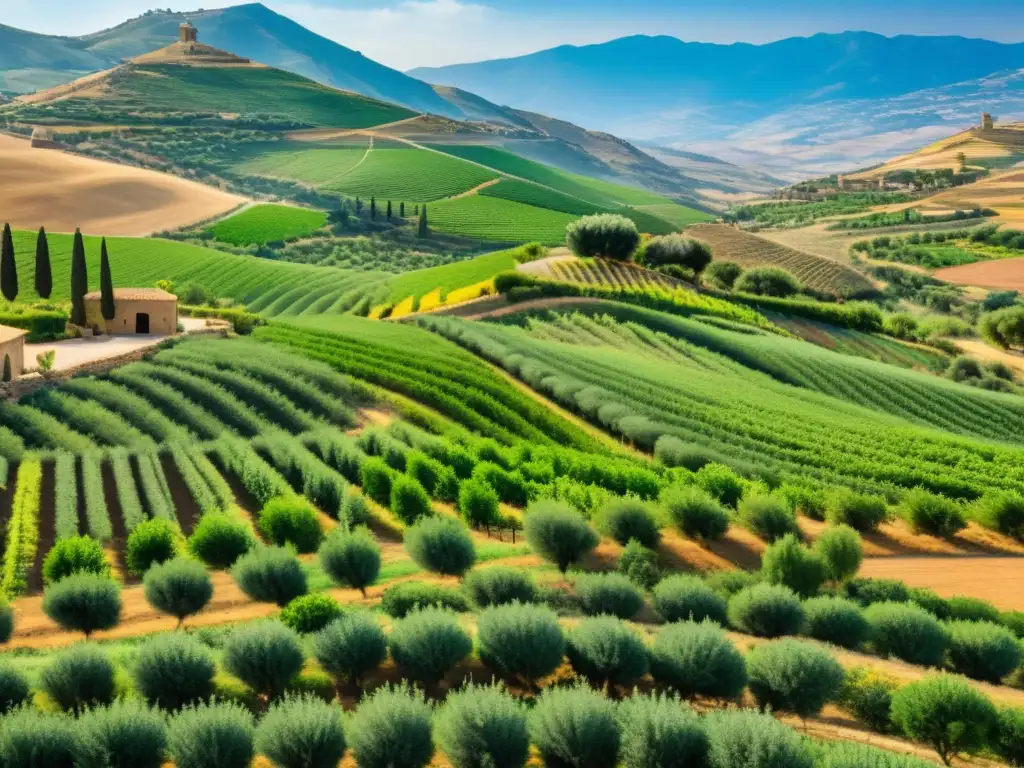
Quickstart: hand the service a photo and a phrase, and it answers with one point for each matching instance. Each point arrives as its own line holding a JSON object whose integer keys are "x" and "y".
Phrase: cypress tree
{"x": 8, "y": 268}
{"x": 401, "y": 210}
{"x": 106, "y": 283}
{"x": 79, "y": 280}
{"x": 423, "y": 222}
{"x": 359, "y": 206}
{"x": 373, "y": 208}
{"x": 7, "y": 368}
{"x": 389, "y": 210}
{"x": 44, "y": 274}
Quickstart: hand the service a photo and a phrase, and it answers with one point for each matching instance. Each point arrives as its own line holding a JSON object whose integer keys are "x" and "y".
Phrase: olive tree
{"x": 607, "y": 235}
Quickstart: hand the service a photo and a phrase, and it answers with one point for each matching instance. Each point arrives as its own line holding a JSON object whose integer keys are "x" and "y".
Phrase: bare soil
{"x": 1000, "y": 580}
{"x": 1001, "y": 274}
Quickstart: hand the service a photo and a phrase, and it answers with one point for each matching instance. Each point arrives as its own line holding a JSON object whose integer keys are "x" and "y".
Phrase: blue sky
{"x": 409, "y": 33}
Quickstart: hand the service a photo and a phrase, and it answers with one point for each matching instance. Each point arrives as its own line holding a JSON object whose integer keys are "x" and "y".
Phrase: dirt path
{"x": 1000, "y": 580}
{"x": 474, "y": 190}
{"x": 322, "y": 134}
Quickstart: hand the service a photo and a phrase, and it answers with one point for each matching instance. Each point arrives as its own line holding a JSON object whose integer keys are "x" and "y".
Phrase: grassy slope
{"x": 267, "y": 223}
{"x": 412, "y": 175}
{"x": 312, "y": 166}
{"x": 490, "y": 218}
{"x": 451, "y": 276}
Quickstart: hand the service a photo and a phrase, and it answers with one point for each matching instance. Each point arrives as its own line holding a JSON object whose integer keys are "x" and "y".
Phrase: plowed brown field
{"x": 1004, "y": 274}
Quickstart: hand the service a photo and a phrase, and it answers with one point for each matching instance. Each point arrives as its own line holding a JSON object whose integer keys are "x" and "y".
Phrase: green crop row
{"x": 22, "y": 528}
{"x": 306, "y": 473}
{"x": 97, "y": 518}
{"x": 268, "y": 223}
{"x": 65, "y": 520}
{"x": 132, "y": 512}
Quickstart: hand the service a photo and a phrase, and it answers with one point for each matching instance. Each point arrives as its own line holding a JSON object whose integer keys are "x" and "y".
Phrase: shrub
{"x": 266, "y": 656}
{"x": 31, "y": 739}
{"x": 721, "y": 483}
{"x": 14, "y": 690}
{"x": 376, "y": 478}
{"x": 695, "y": 513}
{"x": 673, "y": 452}
{"x": 753, "y": 740}
{"x": 401, "y": 599}
{"x": 219, "y": 540}
{"x": 767, "y": 517}
{"x": 180, "y": 587}
{"x": 723, "y": 274}
{"x": 639, "y": 564}
{"x": 938, "y": 607}
{"x": 606, "y": 652}
{"x": 483, "y": 727}
{"x": 854, "y": 755}
{"x": 409, "y": 501}
{"x": 608, "y": 593}
{"x": 310, "y": 613}
{"x": 478, "y": 503}
{"x": 627, "y": 518}
{"x": 870, "y": 591}
{"x": 766, "y": 610}
{"x": 930, "y": 513}
{"x": 351, "y": 558}
{"x": 698, "y": 660}
{"x": 767, "y": 281}
{"x": 173, "y": 671}
{"x": 520, "y": 641}
{"x": 440, "y": 545}
{"x": 867, "y": 695}
{"x": 428, "y": 643}
{"x": 790, "y": 563}
{"x": 152, "y": 542}
{"x": 350, "y": 647}
{"x": 804, "y": 500}
{"x": 291, "y": 520}
{"x": 1009, "y": 736}
{"x": 982, "y": 650}
{"x": 607, "y": 235}
{"x": 945, "y": 713}
{"x": 686, "y": 252}
{"x": 127, "y": 733}
{"x": 859, "y": 511}
{"x": 74, "y": 554}
{"x": 835, "y": 620}
{"x": 499, "y": 585}
{"x": 558, "y": 534}
{"x": 659, "y": 731}
{"x": 354, "y": 510}
{"x": 575, "y": 727}
{"x": 79, "y": 677}
{"x": 1003, "y": 328}
{"x": 392, "y": 729}
{"x": 84, "y": 602}
{"x": 1001, "y": 511}
{"x": 270, "y": 575}
{"x": 907, "y": 632}
{"x": 6, "y": 621}
{"x": 840, "y": 551}
{"x": 689, "y": 598}
{"x": 965, "y": 608}
{"x": 728, "y": 583}
{"x": 793, "y": 676}
{"x": 424, "y": 470}
{"x": 301, "y": 732}
{"x": 215, "y": 735}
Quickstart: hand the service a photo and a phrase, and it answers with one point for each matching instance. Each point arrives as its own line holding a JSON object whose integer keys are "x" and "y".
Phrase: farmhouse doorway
{"x": 142, "y": 322}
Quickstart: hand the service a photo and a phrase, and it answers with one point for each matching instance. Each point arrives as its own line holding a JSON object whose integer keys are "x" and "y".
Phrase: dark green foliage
{"x": 301, "y": 732}
{"x": 424, "y": 470}
{"x": 511, "y": 486}
{"x": 627, "y": 518}
{"x": 448, "y": 490}
{"x": 698, "y": 660}
{"x": 695, "y": 513}
{"x": 608, "y": 594}
{"x": 7, "y": 374}
{"x": 1008, "y": 742}
{"x": 859, "y": 511}
{"x": 606, "y": 235}
{"x": 266, "y": 656}
{"x": 721, "y": 483}
{"x": 673, "y": 452}
{"x": 392, "y": 729}
{"x": 153, "y": 541}
{"x": 558, "y": 534}
{"x": 478, "y": 503}
{"x": 428, "y": 643}
{"x": 840, "y": 551}
{"x": 867, "y": 695}
{"x": 694, "y": 255}
{"x": 354, "y": 510}
{"x": 350, "y": 647}
{"x": 399, "y": 600}
{"x": 107, "y": 308}
{"x": 127, "y": 734}
{"x": 215, "y": 735}
{"x": 659, "y": 731}
{"x": 376, "y": 478}
{"x": 939, "y": 607}
{"x": 180, "y": 587}
{"x": 520, "y": 641}
{"x": 14, "y": 690}
{"x": 966, "y": 608}
{"x": 640, "y": 565}
{"x": 310, "y": 613}
{"x": 606, "y": 652}
{"x": 982, "y": 650}
{"x": 8, "y": 266}
{"x": 1003, "y": 328}
{"x": 174, "y": 670}
{"x": 793, "y": 676}
{"x": 408, "y": 500}
{"x": 754, "y": 740}
{"x": 853, "y": 755}
{"x": 907, "y": 632}
{"x": 945, "y": 713}
{"x": 870, "y": 591}
{"x": 270, "y": 575}
{"x": 575, "y": 728}
{"x": 219, "y": 540}
{"x": 689, "y": 598}
{"x": 766, "y": 610}
{"x": 499, "y": 585}
{"x": 835, "y": 620}
{"x": 767, "y": 281}
{"x": 290, "y": 520}
{"x": 767, "y": 516}
{"x": 84, "y": 602}
{"x": 43, "y": 273}
{"x": 1012, "y": 620}
{"x": 79, "y": 280}
{"x": 351, "y": 558}
{"x": 723, "y": 274}
{"x": 1001, "y": 511}
{"x": 804, "y": 500}
{"x": 440, "y": 545}
{"x": 728, "y": 583}
{"x": 483, "y": 727}
{"x": 791, "y": 564}
{"x": 931, "y": 513}
{"x": 6, "y": 621}
{"x": 74, "y": 554}
{"x": 31, "y": 739}
{"x": 79, "y": 677}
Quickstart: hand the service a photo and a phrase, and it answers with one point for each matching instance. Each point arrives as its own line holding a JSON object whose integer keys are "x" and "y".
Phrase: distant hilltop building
{"x": 187, "y": 33}
{"x": 987, "y": 122}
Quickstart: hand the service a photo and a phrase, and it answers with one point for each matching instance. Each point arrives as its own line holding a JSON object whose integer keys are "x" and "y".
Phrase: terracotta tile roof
{"x": 135, "y": 294}
{"x": 8, "y": 333}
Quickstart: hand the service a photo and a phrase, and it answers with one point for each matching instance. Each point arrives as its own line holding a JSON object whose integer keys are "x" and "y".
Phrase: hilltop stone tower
{"x": 187, "y": 33}
{"x": 987, "y": 122}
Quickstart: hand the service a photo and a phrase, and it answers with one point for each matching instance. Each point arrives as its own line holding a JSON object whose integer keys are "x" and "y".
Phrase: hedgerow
{"x": 305, "y": 472}
{"x": 1001, "y": 511}
{"x": 65, "y": 496}
{"x": 931, "y": 513}
{"x": 982, "y": 650}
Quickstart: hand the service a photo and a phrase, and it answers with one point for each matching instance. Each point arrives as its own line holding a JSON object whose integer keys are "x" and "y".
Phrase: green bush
{"x": 409, "y": 501}
{"x": 32, "y": 739}
{"x": 626, "y": 518}
{"x": 688, "y": 253}
{"x": 483, "y": 727}
{"x": 907, "y": 632}
{"x": 558, "y": 534}
{"x": 804, "y": 500}
{"x": 376, "y": 479}
{"x": 982, "y": 650}
{"x": 792, "y": 676}
{"x": 767, "y": 281}
{"x": 173, "y": 671}
{"x": 835, "y": 620}
{"x": 1001, "y": 511}
{"x": 478, "y": 503}
{"x": 659, "y": 731}
{"x": 639, "y": 564}
{"x": 127, "y": 734}
{"x": 870, "y": 591}
{"x": 867, "y": 695}
{"x": 766, "y": 610}
{"x": 428, "y": 643}
{"x": 845, "y": 754}
{"x": 79, "y": 677}
{"x": 401, "y": 599}
{"x": 1014, "y": 621}
{"x": 698, "y": 660}
{"x": 14, "y": 690}
{"x": 215, "y": 735}
{"x": 392, "y": 729}
{"x": 1003, "y": 328}
{"x": 424, "y": 470}
{"x": 180, "y": 588}
{"x": 859, "y": 511}
{"x": 440, "y": 545}
{"x": 152, "y": 542}
{"x": 499, "y": 585}
{"x": 840, "y": 550}
{"x": 728, "y": 583}
{"x": 608, "y": 594}
{"x": 518, "y": 641}
{"x": 964, "y": 608}
{"x": 689, "y": 598}
{"x": 354, "y": 510}
{"x": 695, "y": 513}
{"x": 350, "y": 647}
{"x": 84, "y": 602}
{"x": 270, "y": 575}
{"x": 791, "y": 564}
{"x": 753, "y": 740}
{"x": 510, "y": 486}
{"x": 1008, "y": 742}
{"x": 724, "y": 485}
{"x": 937, "y": 606}
{"x": 73, "y": 555}
{"x": 606, "y": 652}
{"x": 930, "y": 513}
{"x": 673, "y": 452}
{"x": 945, "y": 713}
{"x": 723, "y": 274}
{"x": 301, "y": 732}
{"x": 575, "y": 727}
{"x": 310, "y": 613}
{"x": 265, "y": 655}
{"x": 351, "y": 558}
{"x": 291, "y": 520}
{"x": 767, "y": 516}
{"x": 219, "y": 540}
{"x": 605, "y": 235}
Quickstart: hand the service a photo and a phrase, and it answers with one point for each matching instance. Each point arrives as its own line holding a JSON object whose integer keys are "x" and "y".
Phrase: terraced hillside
{"x": 615, "y": 274}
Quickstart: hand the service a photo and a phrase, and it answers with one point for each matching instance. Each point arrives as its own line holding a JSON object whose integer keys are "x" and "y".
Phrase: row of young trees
{"x": 420, "y": 212}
